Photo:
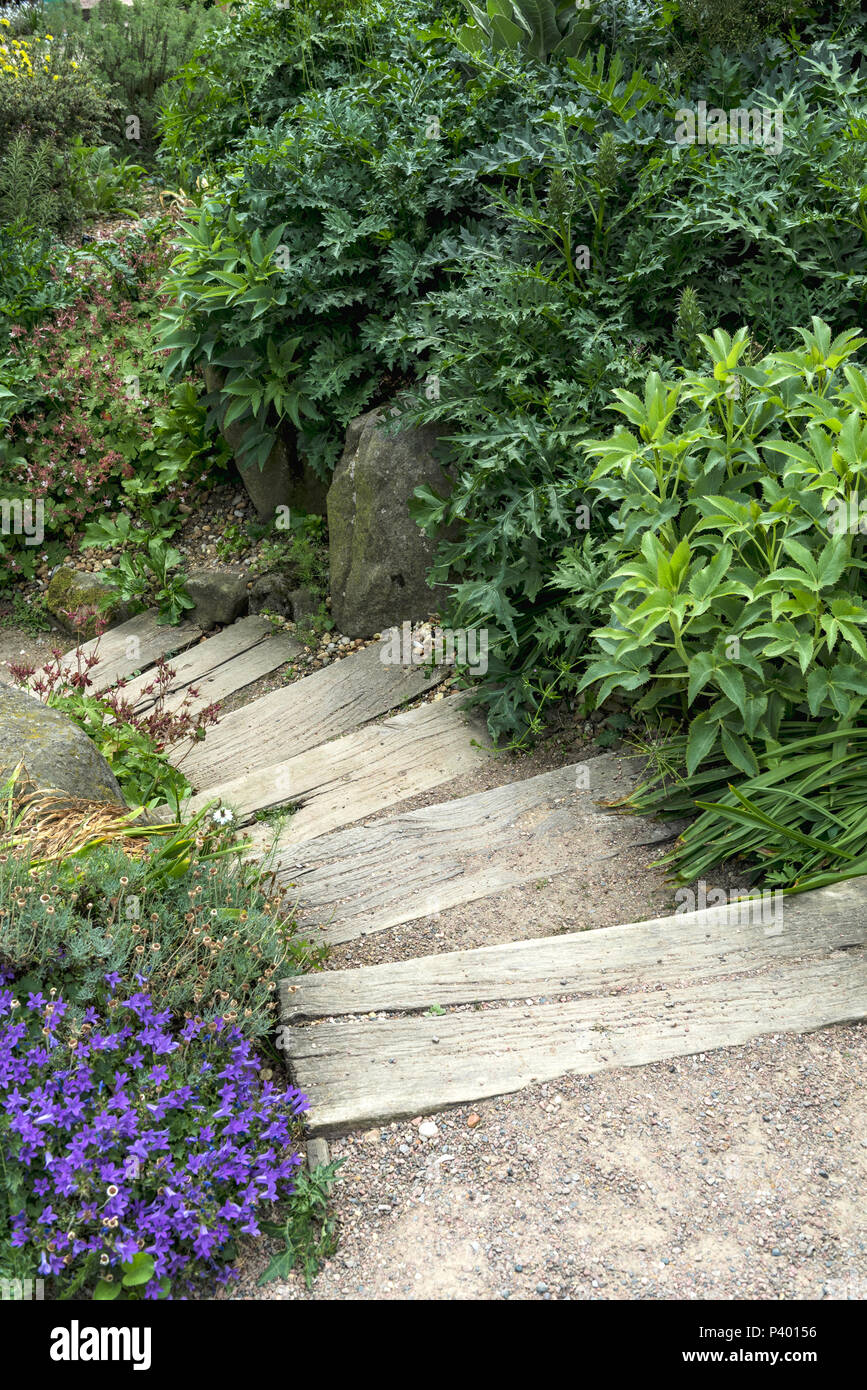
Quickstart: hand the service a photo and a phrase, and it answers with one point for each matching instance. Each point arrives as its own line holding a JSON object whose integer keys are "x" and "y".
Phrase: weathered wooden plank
{"x": 361, "y": 773}
{"x": 131, "y": 647}
{"x": 408, "y": 866}
{"x": 339, "y": 698}
{"x": 219, "y": 666}
{"x": 206, "y": 656}
{"x": 368, "y": 1071}
{"x": 718, "y": 941}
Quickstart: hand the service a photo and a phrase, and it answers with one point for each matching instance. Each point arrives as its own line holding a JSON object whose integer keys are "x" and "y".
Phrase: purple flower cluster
{"x": 131, "y": 1136}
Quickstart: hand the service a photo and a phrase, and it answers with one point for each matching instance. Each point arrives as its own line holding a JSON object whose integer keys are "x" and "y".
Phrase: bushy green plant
{"x": 135, "y": 50}
{"x": 208, "y": 933}
{"x": 508, "y": 257}
{"x": 149, "y": 576}
{"x": 28, "y": 193}
{"x": 99, "y": 183}
{"x": 48, "y": 93}
{"x": 130, "y": 451}
{"x": 33, "y": 284}
{"x": 734, "y": 500}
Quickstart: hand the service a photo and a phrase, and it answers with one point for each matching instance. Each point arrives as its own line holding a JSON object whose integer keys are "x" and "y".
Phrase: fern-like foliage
{"x": 27, "y": 183}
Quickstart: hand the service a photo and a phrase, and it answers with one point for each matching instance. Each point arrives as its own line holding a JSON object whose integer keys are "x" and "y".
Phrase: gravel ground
{"x": 733, "y": 1174}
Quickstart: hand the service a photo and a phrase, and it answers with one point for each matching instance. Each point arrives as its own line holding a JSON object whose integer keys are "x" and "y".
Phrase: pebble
{"x": 427, "y": 1129}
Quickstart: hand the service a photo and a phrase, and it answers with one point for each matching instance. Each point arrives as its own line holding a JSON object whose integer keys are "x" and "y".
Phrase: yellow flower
{"x": 5, "y": 23}
{"x": 56, "y": 78}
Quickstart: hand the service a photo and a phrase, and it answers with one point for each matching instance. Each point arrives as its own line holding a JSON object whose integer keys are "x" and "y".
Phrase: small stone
{"x": 427, "y": 1129}
{"x": 541, "y": 1288}
{"x": 473, "y": 1120}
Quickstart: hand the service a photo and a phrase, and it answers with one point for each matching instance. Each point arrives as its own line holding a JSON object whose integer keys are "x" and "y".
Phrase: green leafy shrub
{"x": 149, "y": 576}
{"x": 134, "y": 50}
{"x": 49, "y": 94}
{"x": 403, "y": 222}
{"x": 28, "y": 192}
{"x": 734, "y": 499}
{"x": 95, "y": 434}
{"x": 33, "y": 284}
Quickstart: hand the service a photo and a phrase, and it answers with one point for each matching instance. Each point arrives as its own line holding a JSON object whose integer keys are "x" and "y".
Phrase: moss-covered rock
{"x": 71, "y": 592}
{"x": 55, "y": 752}
{"x": 378, "y": 556}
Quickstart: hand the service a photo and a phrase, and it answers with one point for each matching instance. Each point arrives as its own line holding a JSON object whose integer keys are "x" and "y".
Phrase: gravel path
{"x": 733, "y": 1174}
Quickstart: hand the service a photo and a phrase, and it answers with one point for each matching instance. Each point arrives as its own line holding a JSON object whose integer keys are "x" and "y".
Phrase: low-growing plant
{"x": 799, "y": 822}
{"x": 150, "y": 1139}
{"x": 132, "y": 735}
{"x": 309, "y": 1231}
{"x": 150, "y": 577}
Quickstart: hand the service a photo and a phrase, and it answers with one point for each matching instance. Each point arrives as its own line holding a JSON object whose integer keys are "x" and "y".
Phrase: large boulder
{"x": 54, "y": 751}
{"x": 378, "y": 555}
{"x": 70, "y": 594}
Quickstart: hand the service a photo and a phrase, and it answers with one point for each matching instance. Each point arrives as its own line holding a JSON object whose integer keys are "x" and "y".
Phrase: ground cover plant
{"x": 138, "y": 996}
{"x": 87, "y": 424}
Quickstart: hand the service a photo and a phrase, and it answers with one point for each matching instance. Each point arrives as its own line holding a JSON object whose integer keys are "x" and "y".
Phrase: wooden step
{"x": 397, "y": 870}
{"x": 131, "y": 647}
{"x": 648, "y": 991}
{"x": 354, "y": 776}
{"x": 334, "y": 701}
{"x": 219, "y": 666}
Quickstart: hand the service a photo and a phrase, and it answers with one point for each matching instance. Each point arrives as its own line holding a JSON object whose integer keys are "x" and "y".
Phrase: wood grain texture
{"x": 361, "y": 773}
{"x": 369, "y": 878}
{"x": 692, "y": 945}
{"x": 220, "y": 666}
{"x": 366, "y": 1072}
{"x": 132, "y": 647}
{"x": 322, "y": 706}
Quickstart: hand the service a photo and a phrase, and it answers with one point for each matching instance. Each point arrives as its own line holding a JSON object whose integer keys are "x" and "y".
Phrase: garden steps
{"x": 332, "y": 701}
{"x": 354, "y": 776}
{"x": 620, "y": 996}
{"x": 131, "y": 647}
{"x": 219, "y": 666}
{"x": 365, "y": 879}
